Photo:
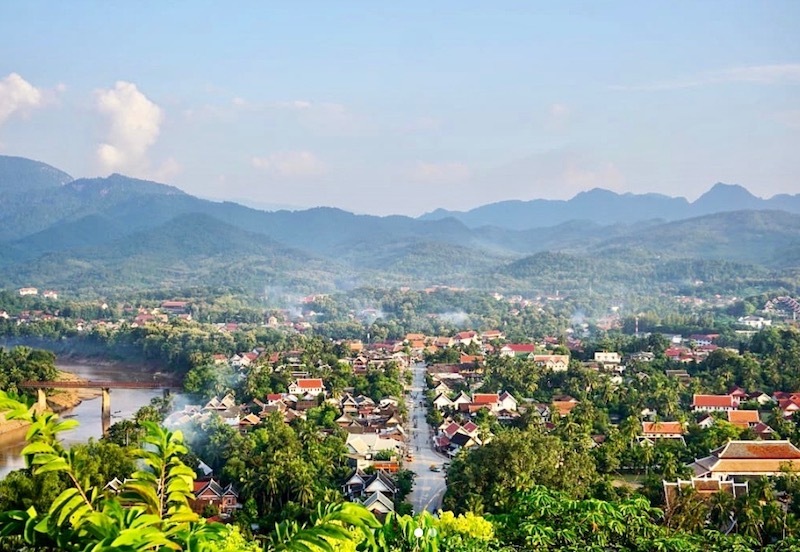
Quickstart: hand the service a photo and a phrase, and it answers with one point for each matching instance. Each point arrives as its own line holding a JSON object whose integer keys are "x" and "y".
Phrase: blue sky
{"x": 405, "y": 107}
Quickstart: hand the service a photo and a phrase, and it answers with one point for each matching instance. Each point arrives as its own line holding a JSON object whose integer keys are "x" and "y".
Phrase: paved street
{"x": 429, "y": 486}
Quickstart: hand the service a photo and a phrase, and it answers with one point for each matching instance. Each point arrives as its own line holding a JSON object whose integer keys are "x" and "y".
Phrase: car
{"x": 435, "y": 468}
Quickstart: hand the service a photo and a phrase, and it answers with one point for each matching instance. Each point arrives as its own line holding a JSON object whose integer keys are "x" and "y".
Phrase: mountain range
{"x": 99, "y": 235}
{"x": 606, "y": 207}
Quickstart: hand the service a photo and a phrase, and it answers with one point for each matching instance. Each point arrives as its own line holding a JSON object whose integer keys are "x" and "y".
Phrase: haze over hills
{"x": 89, "y": 235}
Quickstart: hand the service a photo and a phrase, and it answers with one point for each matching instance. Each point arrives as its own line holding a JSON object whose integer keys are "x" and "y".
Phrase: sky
{"x": 404, "y": 107}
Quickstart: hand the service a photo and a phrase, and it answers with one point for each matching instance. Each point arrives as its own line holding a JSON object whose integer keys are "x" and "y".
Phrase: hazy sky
{"x": 403, "y": 107}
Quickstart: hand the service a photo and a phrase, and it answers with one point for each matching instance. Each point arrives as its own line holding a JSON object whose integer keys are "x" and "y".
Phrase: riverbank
{"x": 66, "y": 399}
{"x": 58, "y": 401}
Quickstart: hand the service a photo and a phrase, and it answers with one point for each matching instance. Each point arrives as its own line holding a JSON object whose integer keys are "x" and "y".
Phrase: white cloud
{"x": 290, "y": 164}
{"x": 440, "y": 173}
{"x": 134, "y": 125}
{"x": 17, "y": 96}
{"x": 781, "y": 73}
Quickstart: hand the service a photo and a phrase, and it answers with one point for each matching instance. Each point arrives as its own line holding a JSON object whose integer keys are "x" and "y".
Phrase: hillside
{"x": 19, "y": 175}
{"x": 110, "y": 233}
{"x": 192, "y": 249}
{"x": 770, "y": 238}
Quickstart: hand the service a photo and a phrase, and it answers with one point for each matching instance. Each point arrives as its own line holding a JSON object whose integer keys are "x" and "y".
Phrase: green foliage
{"x": 480, "y": 480}
{"x": 330, "y": 526}
{"x": 22, "y": 364}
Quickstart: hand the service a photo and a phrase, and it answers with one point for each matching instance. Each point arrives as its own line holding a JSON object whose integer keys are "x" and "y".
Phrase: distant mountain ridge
{"x": 607, "y": 207}
{"x": 95, "y": 235}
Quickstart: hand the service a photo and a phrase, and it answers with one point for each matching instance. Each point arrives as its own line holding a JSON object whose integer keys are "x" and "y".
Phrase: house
{"x": 29, "y": 291}
{"x": 441, "y": 388}
{"x": 462, "y": 398}
{"x": 739, "y": 393}
{"x": 706, "y": 421}
{"x": 360, "y": 484}
{"x": 307, "y": 386}
{"x": 760, "y": 397}
{"x": 714, "y": 403}
{"x": 50, "y": 294}
{"x": 680, "y": 375}
{"x": 789, "y": 406}
{"x": 442, "y": 401}
{"x": 506, "y": 401}
{"x": 362, "y": 447}
{"x": 756, "y": 322}
{"x": 175, "y": 307}
{"x": 492, "y": 335}
{"x": 564, "y": 407}
{"x": 556, "y": 363}
{"x": 467, "y": 338}
{"x": 704, "y": 488}
{"x": 517, "y": 349}
{"x": 744, "y": 418}
{"x": 227, "y": 402}
{"x": 604, "y": 357}
{"x": 661, "y": 430}
{"x": 211, "y": 493}
{"x": 748, "y": 459}
{"x": 379, "y": 504}
{"x": 489, "y": 400}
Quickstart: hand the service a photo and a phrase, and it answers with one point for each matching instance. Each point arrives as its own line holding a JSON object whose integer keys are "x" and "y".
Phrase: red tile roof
{"x": 521, "y": 347}
{"x": 312, "y": 383}
{"x": 717, "y": 401}
{"x": 484, "y": 398}
{"x": 660, "y": 428}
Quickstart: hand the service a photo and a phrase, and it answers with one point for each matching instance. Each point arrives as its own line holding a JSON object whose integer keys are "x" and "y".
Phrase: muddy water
{"x": 124, "y": 404}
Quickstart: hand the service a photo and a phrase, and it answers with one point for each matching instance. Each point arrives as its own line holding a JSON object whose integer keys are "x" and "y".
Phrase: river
{"x": 124, "y": 404}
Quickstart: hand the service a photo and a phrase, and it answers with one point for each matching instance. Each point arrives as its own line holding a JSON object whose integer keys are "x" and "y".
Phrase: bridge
{"x": 104, "y": 386}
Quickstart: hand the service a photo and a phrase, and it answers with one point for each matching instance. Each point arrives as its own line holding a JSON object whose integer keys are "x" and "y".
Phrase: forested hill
{"x": 606, "y": 207}
{"x": 20, "y": 175}
{"x": 101, "y": 234}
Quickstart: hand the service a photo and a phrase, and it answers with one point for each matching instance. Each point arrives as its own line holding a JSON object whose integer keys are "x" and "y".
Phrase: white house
{"x": 307, "y": 386}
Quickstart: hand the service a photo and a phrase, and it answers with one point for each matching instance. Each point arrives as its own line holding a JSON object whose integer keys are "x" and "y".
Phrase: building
{"x": 211, "y": 493}
{"x": 704, "y": 488}
{"x": 748, "y": 459}
{"x": 744, "y": 418}
{"x": 603, "y": 357}
{"x": 661, "y": 430}
{"x": 556, "y": 363}
{"x": 755, "y": 322}
{"x": 714, "y": 403}
{"x": 29, "y": 291}
{"x": 307, "y": 386}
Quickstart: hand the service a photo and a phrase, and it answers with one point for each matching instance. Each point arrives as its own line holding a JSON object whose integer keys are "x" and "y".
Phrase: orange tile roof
{"x": 713, "y": 401}
{"x": 743, "y": 417}
{"x": 485, "y": 398}
{"x": 759, "y": 450}
{"x": 312, "y": 383}
{"x": 564, "y": 407}
{"x": 662, "y": 427}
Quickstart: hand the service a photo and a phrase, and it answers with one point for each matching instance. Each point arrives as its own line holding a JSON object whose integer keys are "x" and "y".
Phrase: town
{"x": 677, "y": 418}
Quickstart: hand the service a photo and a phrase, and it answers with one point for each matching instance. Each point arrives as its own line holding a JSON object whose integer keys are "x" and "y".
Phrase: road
{"x": 429, "y": 486}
